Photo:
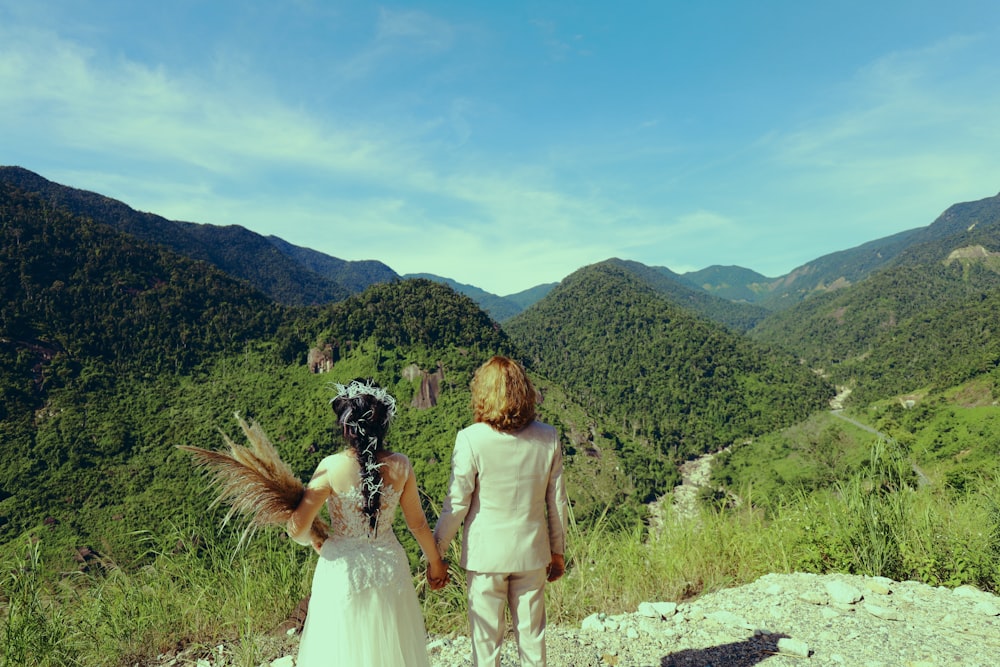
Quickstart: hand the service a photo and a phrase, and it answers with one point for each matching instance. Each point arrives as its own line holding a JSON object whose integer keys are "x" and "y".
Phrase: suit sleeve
{"x": 460, "y": 490}
{"x": 557, "y": 504}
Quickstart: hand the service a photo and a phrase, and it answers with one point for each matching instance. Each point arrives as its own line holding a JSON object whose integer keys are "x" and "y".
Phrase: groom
{"x": 507, "y": 488}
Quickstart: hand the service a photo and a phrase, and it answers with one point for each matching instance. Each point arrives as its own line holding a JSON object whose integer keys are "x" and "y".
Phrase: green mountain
{"x": 113, "y": 350}
{"x": 356, "y": 276}
{"x": 736, "y": 316}
{"x": 845, "y": 267}
{"x": 960, "y": 228}
{"x": 730, "y": 282}
{"x": 530, "y": 296}
{"x": 498, "y": 307}
{"x": 86, "y": 313}
{"x": 233, "y": 249}
{"x": 926, "y": 319}
{"x": 682, "y": 383}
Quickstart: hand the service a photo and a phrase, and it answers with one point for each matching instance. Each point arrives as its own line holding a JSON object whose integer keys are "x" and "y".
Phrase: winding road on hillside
{"x": 922, "y": 479}
{"x": 695, "y": 473}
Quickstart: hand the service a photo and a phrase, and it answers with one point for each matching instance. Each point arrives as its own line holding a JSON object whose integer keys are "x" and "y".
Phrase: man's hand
{"x": 556, "y": 568}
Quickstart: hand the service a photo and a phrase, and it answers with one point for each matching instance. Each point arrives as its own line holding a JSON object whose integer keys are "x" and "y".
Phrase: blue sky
{"x": 506, "y": 144}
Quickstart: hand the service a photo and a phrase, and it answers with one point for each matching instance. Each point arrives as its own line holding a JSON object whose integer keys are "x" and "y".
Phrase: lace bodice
{"x": 361, "y": 558}
{"x": 348, "y": 520}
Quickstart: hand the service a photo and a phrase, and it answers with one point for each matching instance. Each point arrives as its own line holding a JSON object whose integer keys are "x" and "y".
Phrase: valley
{"x": 123, "y": 334}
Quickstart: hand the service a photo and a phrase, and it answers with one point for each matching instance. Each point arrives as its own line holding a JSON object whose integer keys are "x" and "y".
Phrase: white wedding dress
{"x": 363, "y": 611}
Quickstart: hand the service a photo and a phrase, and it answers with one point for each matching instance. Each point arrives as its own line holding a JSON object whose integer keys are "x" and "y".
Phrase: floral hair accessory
{"x": 356, "y": 388}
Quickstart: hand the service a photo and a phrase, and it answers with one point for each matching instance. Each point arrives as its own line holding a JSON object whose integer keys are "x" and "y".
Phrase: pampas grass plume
{"x": 254, "y": 482}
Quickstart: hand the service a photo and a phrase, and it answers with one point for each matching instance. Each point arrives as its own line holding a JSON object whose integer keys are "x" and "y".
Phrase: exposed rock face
{"x": 320, "y": 360}
{"x": 430, "y": 387}
{"x": 969, "y": 252}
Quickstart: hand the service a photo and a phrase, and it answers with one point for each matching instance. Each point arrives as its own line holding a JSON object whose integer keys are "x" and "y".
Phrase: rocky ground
{"x": 804, "y": 620}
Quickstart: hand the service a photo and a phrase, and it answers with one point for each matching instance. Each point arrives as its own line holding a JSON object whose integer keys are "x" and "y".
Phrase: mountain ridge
{"x": 298, "y": 275}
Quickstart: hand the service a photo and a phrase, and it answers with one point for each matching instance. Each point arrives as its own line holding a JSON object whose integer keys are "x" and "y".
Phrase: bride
{"x": 363, "y": 609}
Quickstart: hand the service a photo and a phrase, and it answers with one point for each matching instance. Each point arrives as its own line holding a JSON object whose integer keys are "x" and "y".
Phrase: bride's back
{"x": 346, "y": 503}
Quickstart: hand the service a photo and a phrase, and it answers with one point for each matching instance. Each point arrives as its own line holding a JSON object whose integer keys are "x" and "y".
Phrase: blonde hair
{"x": 502, "y": 395}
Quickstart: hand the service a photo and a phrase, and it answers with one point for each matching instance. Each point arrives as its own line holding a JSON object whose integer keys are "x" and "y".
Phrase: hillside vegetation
{"x": 735, "y": 315}
{"x": 273, "y": 269}
{"x": 927, "y": 320}
{"x": 682, "y": 383}
{"x": 844, "y": 268}
{"x": 114, "y": 349}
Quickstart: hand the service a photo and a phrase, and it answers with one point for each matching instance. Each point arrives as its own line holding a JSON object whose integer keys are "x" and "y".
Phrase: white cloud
{"x": 399, "y": 37}
{"x": 217, "y": 144}
{"x": 910, "y": 134}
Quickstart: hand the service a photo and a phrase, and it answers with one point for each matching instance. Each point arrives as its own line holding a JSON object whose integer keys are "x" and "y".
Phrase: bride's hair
{"x": 364, "y": 411}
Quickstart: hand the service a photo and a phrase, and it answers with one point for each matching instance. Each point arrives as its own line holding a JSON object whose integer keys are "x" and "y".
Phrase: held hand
{"x": 437, "y": 575}
{"x": 556, "y": 568}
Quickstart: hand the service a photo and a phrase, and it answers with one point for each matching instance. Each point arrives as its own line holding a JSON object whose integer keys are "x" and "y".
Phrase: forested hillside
{"x": 735, "y": 315}
{"x": 233, "y": 249}
{"x": 730, "y": 282}
{"x": 355, "y": 276}
{"x": 498, "y": 307}
{"x": 843, "y": 268}
{"x": 88, "y": 312}
{"x": 963, "y": 225}
{"x": 682, "y": 383}
{"x": 926, "y": 319}
{"x": 114, "y": 351}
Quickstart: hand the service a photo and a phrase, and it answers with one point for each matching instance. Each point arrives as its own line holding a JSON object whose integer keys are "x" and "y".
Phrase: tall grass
{"x": 197, "y": 595}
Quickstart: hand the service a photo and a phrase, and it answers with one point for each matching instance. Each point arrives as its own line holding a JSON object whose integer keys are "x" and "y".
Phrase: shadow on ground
{"x": 746, "y": 653}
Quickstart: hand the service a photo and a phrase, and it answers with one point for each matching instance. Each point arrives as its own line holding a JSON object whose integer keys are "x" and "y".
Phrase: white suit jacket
{"x": 508, "y": 490}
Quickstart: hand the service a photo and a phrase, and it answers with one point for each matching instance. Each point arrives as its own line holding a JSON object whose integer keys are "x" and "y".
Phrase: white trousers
{"x": 524, "y": 594}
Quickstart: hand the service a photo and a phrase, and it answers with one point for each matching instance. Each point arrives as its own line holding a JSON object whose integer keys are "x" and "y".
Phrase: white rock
{"x": 882, "y": 612}
{"x": 438, "y": 644}
{"x": 665, "y": 609}
{"x": 793, "y": 647}
{"x": 843, "y": 593}
{"x": 730, "y": 619}
{"x": 287, "y": 661}
{"x": 967, "y": 591}
{"x": 648, "y": 610}
{"x": 814, "y": 597}
{"x": 987, "y": 608}
{"x": 593, "y": 622}
{"x": 880, "y": 585}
